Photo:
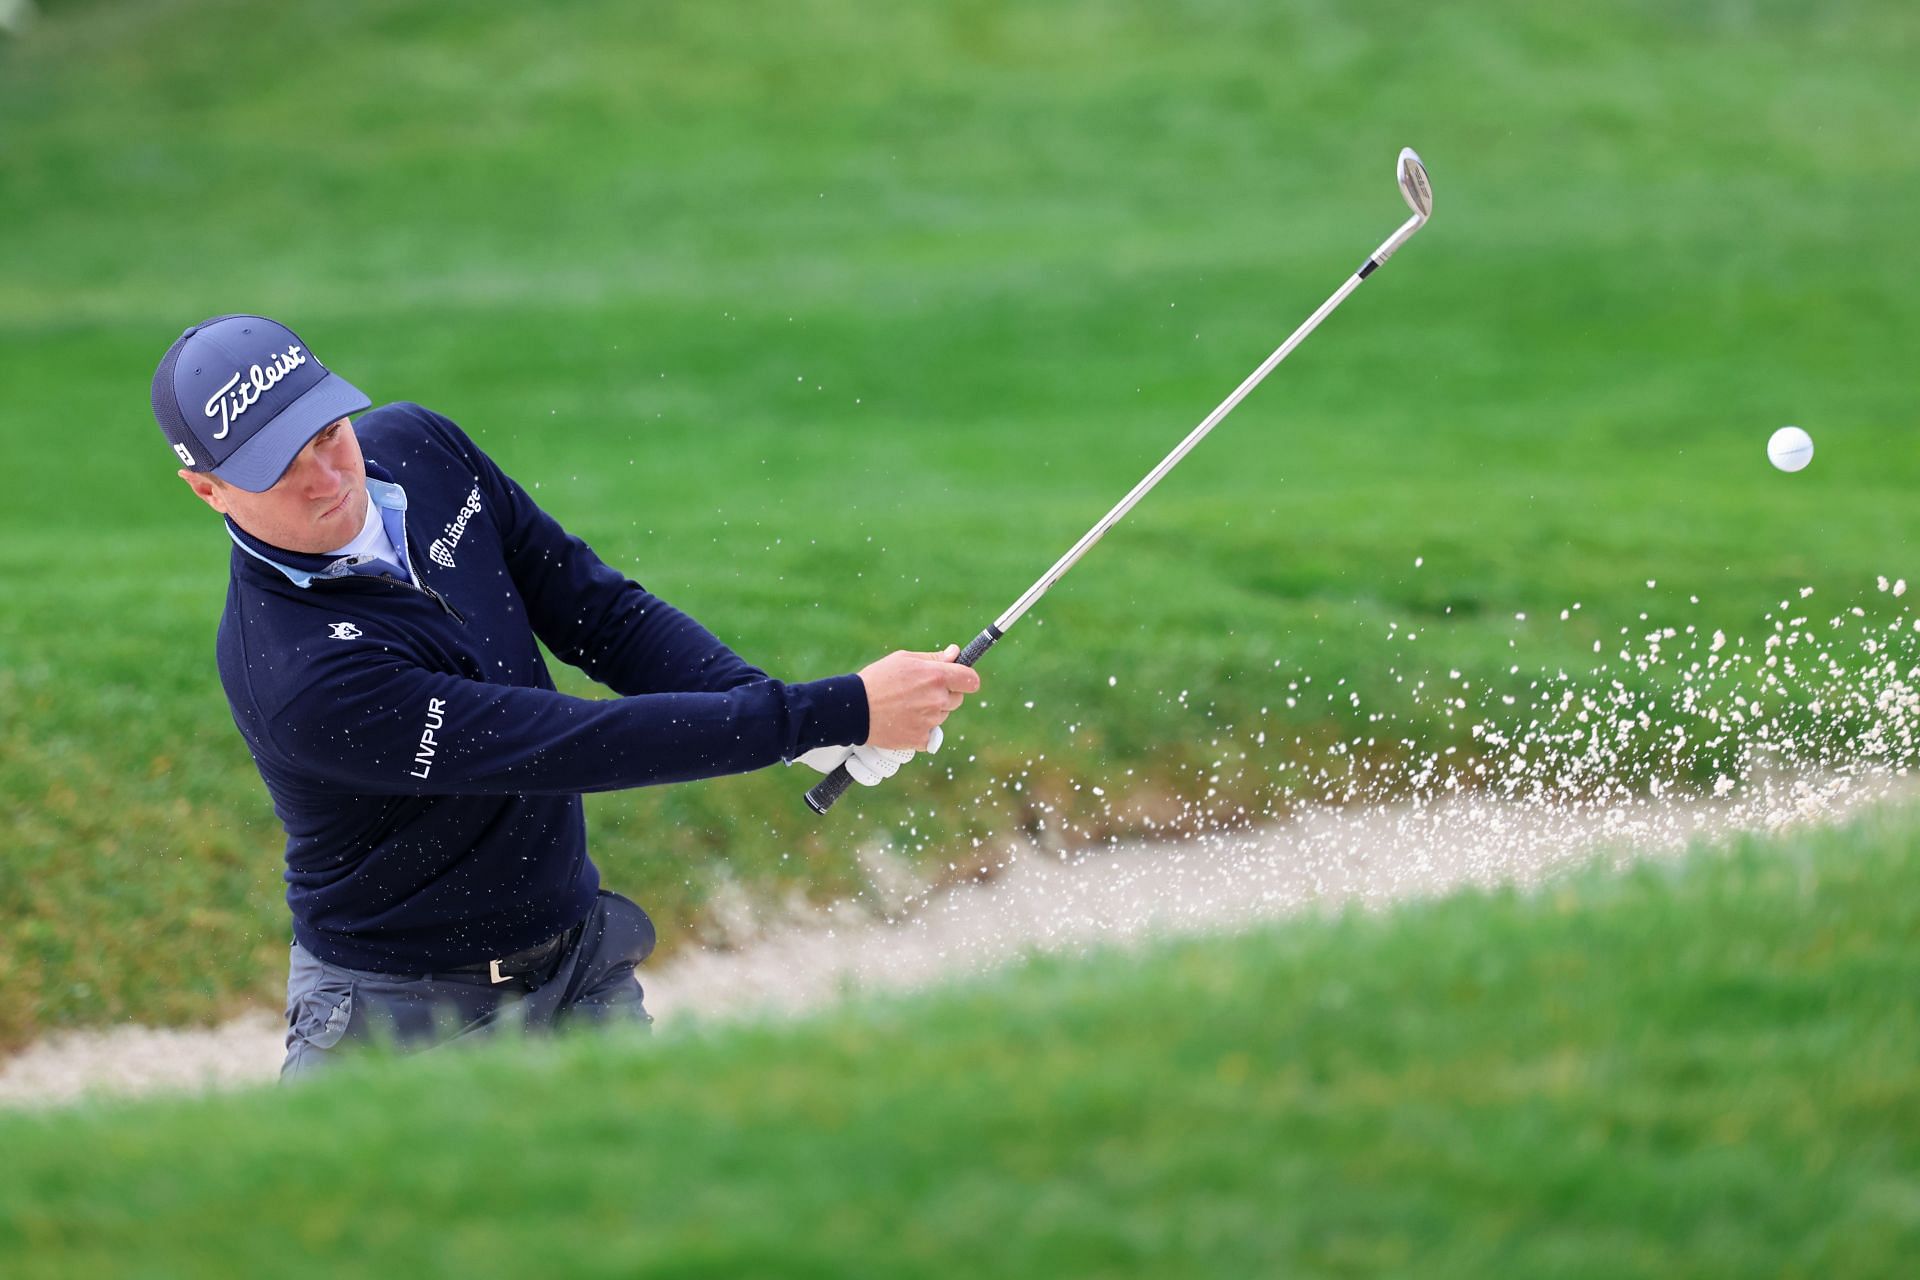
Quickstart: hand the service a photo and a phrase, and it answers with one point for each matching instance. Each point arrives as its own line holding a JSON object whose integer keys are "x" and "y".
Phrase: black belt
{"x": 536, "y": 962}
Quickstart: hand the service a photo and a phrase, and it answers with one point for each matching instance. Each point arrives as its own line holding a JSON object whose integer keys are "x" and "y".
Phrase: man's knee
{"x": 302, "y": 1061}
{"x": 617, "y": 1000}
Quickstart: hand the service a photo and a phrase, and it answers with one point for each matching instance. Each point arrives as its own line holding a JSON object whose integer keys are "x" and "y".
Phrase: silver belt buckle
{"x": 494, "y": 974}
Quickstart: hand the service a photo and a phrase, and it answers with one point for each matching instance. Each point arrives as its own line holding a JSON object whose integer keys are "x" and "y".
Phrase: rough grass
{"x": 1700, "y": 1068}
{"x": 835, "y": 324}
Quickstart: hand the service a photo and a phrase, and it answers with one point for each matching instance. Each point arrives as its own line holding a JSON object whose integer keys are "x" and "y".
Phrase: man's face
{"x": 317, "y": 506}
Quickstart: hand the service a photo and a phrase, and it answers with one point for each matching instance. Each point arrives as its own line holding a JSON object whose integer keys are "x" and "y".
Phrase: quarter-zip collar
{"x": 301, "y": 569}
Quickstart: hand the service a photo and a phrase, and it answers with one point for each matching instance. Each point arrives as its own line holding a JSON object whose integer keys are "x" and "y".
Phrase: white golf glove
{"x": 870, "y": 766}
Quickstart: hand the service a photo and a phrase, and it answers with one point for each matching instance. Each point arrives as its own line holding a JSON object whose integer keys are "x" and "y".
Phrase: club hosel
{"x": 1392, "y": 244}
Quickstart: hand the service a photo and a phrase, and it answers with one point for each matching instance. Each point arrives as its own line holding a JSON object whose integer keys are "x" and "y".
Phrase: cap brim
{"x": 259, "y": 463}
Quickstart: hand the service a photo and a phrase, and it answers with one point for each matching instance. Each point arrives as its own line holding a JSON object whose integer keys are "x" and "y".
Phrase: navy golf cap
{"x": 240, "y": 396}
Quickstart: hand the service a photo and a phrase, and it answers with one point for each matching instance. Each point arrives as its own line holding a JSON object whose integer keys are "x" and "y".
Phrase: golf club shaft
{"x": 831, "y": 787}
{"x": 1181, "y": 450}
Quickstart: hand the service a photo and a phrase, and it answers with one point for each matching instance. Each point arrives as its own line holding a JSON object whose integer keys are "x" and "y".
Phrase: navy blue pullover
{"x": 426, "y": 771}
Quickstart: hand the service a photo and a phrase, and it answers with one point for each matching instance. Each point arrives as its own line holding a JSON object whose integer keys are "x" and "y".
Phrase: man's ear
{"x": 205, "y": 488}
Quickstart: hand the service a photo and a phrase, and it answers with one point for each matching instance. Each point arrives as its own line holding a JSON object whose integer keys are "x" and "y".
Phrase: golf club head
{"x": 1414, "y": 184}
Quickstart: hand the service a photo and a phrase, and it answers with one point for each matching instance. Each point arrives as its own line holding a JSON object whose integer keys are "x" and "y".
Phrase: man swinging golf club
{"x": 389, "y": 584}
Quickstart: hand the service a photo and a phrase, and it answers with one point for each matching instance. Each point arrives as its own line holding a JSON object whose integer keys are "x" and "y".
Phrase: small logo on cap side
{"x": 233, "y": 399}
{"x": 343, "y": 631}
{"x": 185, "y": 456}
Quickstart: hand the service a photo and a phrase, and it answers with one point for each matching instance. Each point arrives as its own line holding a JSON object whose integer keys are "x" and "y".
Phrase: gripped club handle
{"x": 822, "y": 794}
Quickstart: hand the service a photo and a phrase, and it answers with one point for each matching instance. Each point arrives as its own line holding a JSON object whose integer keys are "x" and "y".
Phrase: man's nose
{"x": 318, "y": 477}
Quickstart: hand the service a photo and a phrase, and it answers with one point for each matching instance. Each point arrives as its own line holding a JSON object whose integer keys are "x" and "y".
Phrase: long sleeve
{"x": 380, "y": 725}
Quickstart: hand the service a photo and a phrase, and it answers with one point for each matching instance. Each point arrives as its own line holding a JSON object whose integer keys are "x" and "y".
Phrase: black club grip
{"x": 978, "y": 645}
{"x": 821, "y": 796}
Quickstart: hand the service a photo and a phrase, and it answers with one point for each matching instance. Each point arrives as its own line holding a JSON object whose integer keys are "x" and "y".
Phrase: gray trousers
{"x": 333, "y": 1010}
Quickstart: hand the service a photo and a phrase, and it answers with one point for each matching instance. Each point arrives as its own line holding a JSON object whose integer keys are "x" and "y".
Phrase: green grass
{"x": 1698, "y": 1068}
{"x": 834, "y": 324}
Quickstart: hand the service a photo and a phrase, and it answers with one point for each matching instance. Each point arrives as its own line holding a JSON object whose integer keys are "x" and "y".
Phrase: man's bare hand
{"x": 908, "y": 694}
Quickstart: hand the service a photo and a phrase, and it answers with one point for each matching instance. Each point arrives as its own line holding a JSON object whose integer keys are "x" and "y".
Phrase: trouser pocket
{"x": 320, "y": 1006}
{"x": 317, "y": 1020}
{"x": 319, "y": 1017}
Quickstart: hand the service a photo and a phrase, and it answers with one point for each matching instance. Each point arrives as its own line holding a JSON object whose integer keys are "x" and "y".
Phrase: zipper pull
{"x": 441, "y": 601}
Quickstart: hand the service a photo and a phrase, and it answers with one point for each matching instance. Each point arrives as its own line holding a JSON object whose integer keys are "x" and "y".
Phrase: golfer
{"x": 388, "y": 586}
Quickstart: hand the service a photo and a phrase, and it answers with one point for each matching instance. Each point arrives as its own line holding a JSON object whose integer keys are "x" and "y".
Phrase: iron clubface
{"x": 1414, "y": 184}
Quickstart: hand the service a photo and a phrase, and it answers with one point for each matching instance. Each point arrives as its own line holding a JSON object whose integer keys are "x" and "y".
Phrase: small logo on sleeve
{"x": 343, "y": 631}
{"x": 440, "y": 550}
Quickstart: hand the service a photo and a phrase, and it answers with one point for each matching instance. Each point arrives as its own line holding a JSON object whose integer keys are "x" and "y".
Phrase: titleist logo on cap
{"x": 235, "y": 398}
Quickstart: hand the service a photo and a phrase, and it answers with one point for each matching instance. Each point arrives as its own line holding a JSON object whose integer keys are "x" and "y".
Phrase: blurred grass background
{"x": 835, "y": 323}
{"x": 1696, "y": 1068}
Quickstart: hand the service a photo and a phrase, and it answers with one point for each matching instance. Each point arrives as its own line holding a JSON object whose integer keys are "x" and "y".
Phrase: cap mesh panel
{"x": 166, "y": 409}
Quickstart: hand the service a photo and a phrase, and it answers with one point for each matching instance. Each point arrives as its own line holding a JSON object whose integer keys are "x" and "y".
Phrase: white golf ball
{"x": 1790, "y": 449}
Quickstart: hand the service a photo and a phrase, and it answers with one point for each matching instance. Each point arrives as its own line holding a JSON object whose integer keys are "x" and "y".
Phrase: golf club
{"x": 1418, "y": 193}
